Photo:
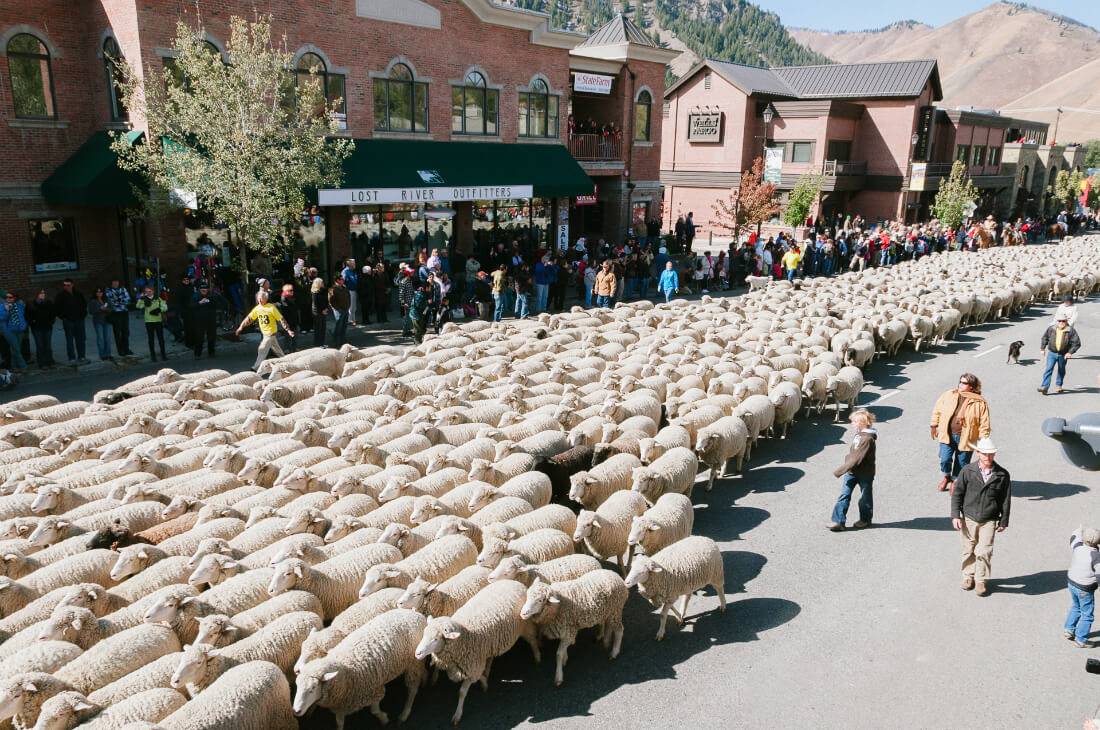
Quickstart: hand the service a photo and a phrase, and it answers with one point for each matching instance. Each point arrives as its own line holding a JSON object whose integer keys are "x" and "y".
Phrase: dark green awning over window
{"x": 92, "y": 177}
{"x": 399, "y": 163}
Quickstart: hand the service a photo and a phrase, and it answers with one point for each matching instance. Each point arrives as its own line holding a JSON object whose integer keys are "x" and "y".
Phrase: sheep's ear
{"x": 654, "y": 527}
{"x": 318, "y": 519}
{"x": 596, "y": 522}
{"x": 451, "y": 635}
{"x": 231, "y": 564}
{"x": 463, "y": 528}
{"x": 187, "y": 600}
{"x": 392, "y": 573}
{"x": 30, "y": 687}
{"x": 298, "y": 571}
{"x": 9, "y": 557}
{"x": 553, "y": 598}
{"x": 93, "y": 594}
{"x": 186, "y": 647}
{"x": 80, "y": 705}
{"x": 654, "y": 568}
{"x": 77, "y": 624}
{"x": 143, "y": 554}
{"x": 328, "y": 676}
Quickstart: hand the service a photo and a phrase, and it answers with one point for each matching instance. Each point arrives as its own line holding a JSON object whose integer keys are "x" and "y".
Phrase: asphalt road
{"x": 863, "y": 629}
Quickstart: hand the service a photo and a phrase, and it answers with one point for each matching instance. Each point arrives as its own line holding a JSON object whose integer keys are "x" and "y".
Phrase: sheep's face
{"x": 394, "y": 534}
{"x": 285, "y": 576}
{"x": 213, "y": 569}
{"x": 19, "y": 527}
{"x": 587, "y": 522}
{"x": 425, "y": 508}
{"x": 483, "y": 494}
{"x": 394, "y": 488}
{"x": 47, "y": 499}
{"x": 11, "y": 564}
{"x": 288, "y": 552}
{"x": 192, "y": 666}
{"x": 65, "y": 625}
{"x": 216, "y": 630}
{"x": 492, "y": 552}
{"x": 639, "y": 528}
{"x": 541, "y": 598}
{"x": 342, "y": 526}
{"x": 377, "y": 578}
{"x": 131, "y": 560}
{"x": 220, "y": 457}
{"x": 208, "y": 546}
{"x": 55, "y": 442}
{"x": 706, "y": 440}
{"x": 436, "y": 635}
{"x": 640, "y": 569}
{"x": 310, "y": 520}
{"x": 451, "y": 525}
{"x": 62, "y": 711}
{"x": 346, "y": 485}
{"x": 252, "y": 470}
{"x": 311, "y": 689}
{"x": 646, "y": 482}
{"x": 257, "y": 514}
{"x": 415, "y": 595}
{"x": 12, "y": 696}
{"x": 579, "y": 484}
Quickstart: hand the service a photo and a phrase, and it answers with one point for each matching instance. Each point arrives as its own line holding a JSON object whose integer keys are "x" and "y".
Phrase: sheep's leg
{"x": 710, "y": 480}
{"x": 740, "y": 461}
{"x": 617, "y": 642}
{"x": 563, "y": 657}
{"x": 721, "y": 595}
{"x": 462, "y": 690}
{"x": 413, "y": 681}
{"x": 619, "y": 562}
{"x": 485, "y": 675}
{"x": 339, "y": 718}
{"x": 532, "y": 639}
{"x": 684, "y": 610}
{"x": 376, "y": 710}
{"x": 664, "y": 618}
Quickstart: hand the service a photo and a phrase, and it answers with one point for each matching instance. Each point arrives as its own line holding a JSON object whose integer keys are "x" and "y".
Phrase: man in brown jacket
{"x": 858, "y": 469}
{"x": 605, "y": 286}
{"x": 959, "y": 419}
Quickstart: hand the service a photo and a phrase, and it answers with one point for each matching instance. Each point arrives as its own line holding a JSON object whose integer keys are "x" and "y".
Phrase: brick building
{"x": 461, "y": 112}
{"x": 872, "y": 130}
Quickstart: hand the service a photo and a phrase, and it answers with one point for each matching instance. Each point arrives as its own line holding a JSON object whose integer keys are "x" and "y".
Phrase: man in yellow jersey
{"x": 791, "y": 260}
{"x": 268, "y": 318}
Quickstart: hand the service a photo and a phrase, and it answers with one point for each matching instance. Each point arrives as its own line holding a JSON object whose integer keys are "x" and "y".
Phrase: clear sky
{"x": 852, "y": 15}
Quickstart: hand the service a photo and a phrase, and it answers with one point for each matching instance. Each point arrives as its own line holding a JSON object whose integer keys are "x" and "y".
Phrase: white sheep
{"x": 259, "y": 686}
{"x": 725, "y": 439}
{"x": 22, "y": 696}
{"x": 669, "y": 437}
{"x": 591, "y": 488}
{"x": 355, "y": 674}
{"x": 437, "y": 561}
{"x": 560, "y": 610}
{"x": 498, "y": 473}
{"x": 444, "y": 598}
{"x": 41, "y": 656}
{"x": 118, "y": 655}
{"x": 604, "y": 532}
{"x": 514, "y": 567}
{"x": 68, "y": 709}
{"x": 845, "y": 387}
{"x": 319, "y": 643}
{"x": 534, "y": 547}
{"x": 673, "y": 472}
{"x": 533, "y": 487}
{"x": 669, "y": 519}
{"x": 465, "y": 644}
{"x": 335, "y": 581}
{"x": 678, "y": 570}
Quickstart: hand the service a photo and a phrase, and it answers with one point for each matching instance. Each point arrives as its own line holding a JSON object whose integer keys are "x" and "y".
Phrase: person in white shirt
{"x": 1082, "y": 577}
{"x": 1067, "y": 308}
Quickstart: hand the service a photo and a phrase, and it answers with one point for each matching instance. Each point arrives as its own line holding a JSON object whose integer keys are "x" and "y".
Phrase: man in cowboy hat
{"x": 979, "y": 509}
{"x": 1059, "y": 343}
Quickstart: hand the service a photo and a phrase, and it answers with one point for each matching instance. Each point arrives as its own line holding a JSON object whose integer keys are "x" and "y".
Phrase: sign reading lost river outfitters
{"x": 705, "y": 127}
{"x": 385, "y": 196}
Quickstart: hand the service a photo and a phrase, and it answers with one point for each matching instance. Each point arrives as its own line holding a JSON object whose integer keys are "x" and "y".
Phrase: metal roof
{"x": 616, "y": 31}
{"x": 859, "y": 80}
{"x": 901, "y": 79}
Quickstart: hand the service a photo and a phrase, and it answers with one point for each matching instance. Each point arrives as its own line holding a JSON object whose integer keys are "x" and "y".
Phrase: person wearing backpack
{"x": 153, "y": 308}
{"x": 14, "y": 320}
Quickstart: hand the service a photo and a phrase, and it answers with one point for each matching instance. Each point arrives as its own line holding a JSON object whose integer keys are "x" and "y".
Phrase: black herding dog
{"x": 1014, "y": 352}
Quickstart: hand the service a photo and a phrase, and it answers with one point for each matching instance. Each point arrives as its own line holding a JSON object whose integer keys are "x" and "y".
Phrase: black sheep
{"x": 561, "y": 467}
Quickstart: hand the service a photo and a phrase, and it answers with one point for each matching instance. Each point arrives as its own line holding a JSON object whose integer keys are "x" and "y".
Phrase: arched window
{"x": 112, "y": 57}
{"x": 643, "y": 109}
{"x": 311, "y": 65}
{"x": 400, "y": 102}
{"x": 474, "y": 106}
{"x": 538, "y": 111}
{"x": 31, "y": 78}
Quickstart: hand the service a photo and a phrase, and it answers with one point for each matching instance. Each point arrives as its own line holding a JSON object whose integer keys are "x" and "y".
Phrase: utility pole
{"x": 1057, "y": 119}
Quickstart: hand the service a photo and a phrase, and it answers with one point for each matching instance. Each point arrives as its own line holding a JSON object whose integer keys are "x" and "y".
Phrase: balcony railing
{"x": 834, "y": 168}
{"x": 596, "y": 147}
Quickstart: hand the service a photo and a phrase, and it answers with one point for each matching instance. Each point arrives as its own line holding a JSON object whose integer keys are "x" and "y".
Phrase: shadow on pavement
{"x": 919, "y": 523}
{"x": 1036, "y": 584}
{"x": 1042, "y": 491}
{"x": 724, "y": 523}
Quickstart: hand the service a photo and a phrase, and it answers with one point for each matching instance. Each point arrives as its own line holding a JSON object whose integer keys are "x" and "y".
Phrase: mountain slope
{"x": 1002, "y": 56}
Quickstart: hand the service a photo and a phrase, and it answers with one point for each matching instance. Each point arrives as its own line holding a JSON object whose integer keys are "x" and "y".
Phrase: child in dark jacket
{"x": 858, "y": 469}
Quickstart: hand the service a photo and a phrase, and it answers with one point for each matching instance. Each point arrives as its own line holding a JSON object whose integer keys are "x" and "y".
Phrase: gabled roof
{"x": 619, "y": 29}
{"x": 900, "y": 79}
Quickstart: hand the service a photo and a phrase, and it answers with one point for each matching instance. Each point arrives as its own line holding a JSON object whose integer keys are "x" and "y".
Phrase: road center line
{"x": 992, "y": 349}
{"x": 884, "y": 396}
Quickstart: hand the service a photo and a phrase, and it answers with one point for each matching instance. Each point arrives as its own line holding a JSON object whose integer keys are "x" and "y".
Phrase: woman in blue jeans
{"x": 13, "y": 323}
{"x": 1084, "y": 565}
{"x": 669, "y": 282}
{"x": 99, "y": 309}
{"x": 858, "y": 469}
{"x": 959, "y": 418}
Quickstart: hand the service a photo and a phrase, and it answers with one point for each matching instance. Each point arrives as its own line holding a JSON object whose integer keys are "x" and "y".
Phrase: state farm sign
{"x": 592, "y": 83}
{"x": 705, "y": 127}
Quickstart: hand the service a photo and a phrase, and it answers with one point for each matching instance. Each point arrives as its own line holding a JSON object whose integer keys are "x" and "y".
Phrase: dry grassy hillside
{"x": 1004, "y": 56}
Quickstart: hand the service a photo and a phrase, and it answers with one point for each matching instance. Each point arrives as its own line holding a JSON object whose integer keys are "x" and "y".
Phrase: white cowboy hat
{"x": 1061, "y": 317}
{"x": 985, "y": 446}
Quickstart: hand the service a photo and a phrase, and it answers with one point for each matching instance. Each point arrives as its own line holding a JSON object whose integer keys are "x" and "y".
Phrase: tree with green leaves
{"x": 954, "y": 197}
{"x": 1092, "y": 153}
{"x": 1067, "y": 186}
{"x": 802, "y": 199}
{"x": 749, "y": 205}
{"x": 247, "y": 137}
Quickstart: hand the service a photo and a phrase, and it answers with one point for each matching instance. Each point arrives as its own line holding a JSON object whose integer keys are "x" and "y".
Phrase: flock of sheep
{"x": 182, "y": 551}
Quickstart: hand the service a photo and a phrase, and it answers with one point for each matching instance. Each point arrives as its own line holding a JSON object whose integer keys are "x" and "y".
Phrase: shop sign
{"x": 589, "y": 199}
{"x": 705, "y": 127}
{"x": 55, "y": 266}
{"x": 925, "y": 128}
{"x": 918, "y": 175}
{"x": 450, "y": 193}
{"x": 592, "y": 83}
{"x": 773, "y": 165}
{"x": 563, "y": 228}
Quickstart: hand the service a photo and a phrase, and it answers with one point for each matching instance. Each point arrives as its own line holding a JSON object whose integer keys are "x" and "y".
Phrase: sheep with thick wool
{"x": 722, "y": 441}
{"x": 116, "y": 656}
{"x": 319, "y": 643}
{"x": 237, "y": 594}
{"x": 169, "y": 571}
{"x": 435, "y": 562}
{"x": 219, "y": 630}
{"x": 22, "y": 696}
{"x": 673, "y": 472}
{"x": 669, "y": 519}
{"x": 532, "y": 487}
{"x": 560, "y": 610}
{"x": 465, "y": 643}
{"x": 567, "y": 567}
{"x": 604, "y": 532}
{"x": 335, "y": 581}
{"x": 69, "y": 709}
{"x": 669, "y": 437}
{"x": 534, "y": 547}
{"x": 260, "y": 686}
{"x": 845, "y": 387}
{"x": 591, "y": 488}
{"x": 446, "y": 597}
{"x": 678, "y": 570}
{"x": 497, "y": 473}
{"x": 41, "y": 656}
{"x": 786, "y": 397}
{"x": 355, "y": 673}
{"x": 92, "y": 596}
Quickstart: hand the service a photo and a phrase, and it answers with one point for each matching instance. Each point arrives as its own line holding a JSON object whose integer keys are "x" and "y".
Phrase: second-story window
{"x": 332, "y": 85}
{"x": 400, "y": 102}
{"x": 979, "y": 156}
{"x": 112, "y": 57}
{"x": 538, "y": 111}
{"x": 643, "y": 109}
{"x": 474, "y": 106}
{"x": 31, "y": 78}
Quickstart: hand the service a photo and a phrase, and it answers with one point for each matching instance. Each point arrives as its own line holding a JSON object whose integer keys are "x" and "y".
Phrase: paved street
{"x": 863, "y": 629}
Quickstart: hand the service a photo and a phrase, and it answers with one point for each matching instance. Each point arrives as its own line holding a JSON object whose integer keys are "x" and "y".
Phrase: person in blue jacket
{"x": 669, "y": 281}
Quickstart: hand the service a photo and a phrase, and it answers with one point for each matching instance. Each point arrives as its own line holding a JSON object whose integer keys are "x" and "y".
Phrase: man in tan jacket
{"x": 605, "y": 286}
{"x": 959, "y": 419}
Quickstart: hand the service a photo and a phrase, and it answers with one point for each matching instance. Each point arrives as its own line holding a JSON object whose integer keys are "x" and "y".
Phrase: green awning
{"x": 406, "y": 163}
{"x": 92, "y": 177}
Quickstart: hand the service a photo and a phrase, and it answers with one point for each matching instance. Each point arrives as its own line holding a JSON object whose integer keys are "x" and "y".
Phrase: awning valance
{"x": 92, "y": 177}
{"x": 379, "y": 170}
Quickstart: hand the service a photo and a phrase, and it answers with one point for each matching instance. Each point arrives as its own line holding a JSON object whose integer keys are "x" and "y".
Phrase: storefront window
{"x": 31, "y": 78}
{"x": 53, "y": 244}
{"x": 474, "y": 106}
{"x": 642, "y": 109}
{"x": 538, "y": 111}
{"x": 638, "y": 217}
{"x": 400, "y": 103}
{"x": 332, "y": 85}
{"x": 979, "y": 155}
{"x": 541, "y": 228}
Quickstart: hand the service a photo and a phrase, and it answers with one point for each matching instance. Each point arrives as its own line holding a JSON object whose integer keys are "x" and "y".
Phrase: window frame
{"x": 111, "y": 58}
{"x": 461, "y": 92}
{"x": 645, "y": 135}
{"x": 47, "y": 56}
{"x": 66, "y": 221}
{"x": 978, "y": 155}
{"x": 415, "y": 88}
{"x": 993, "y": 158}
{"x": 326, "y": 77}
{"x": 527, "y": 112}
{"x": 961, "y": 156}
